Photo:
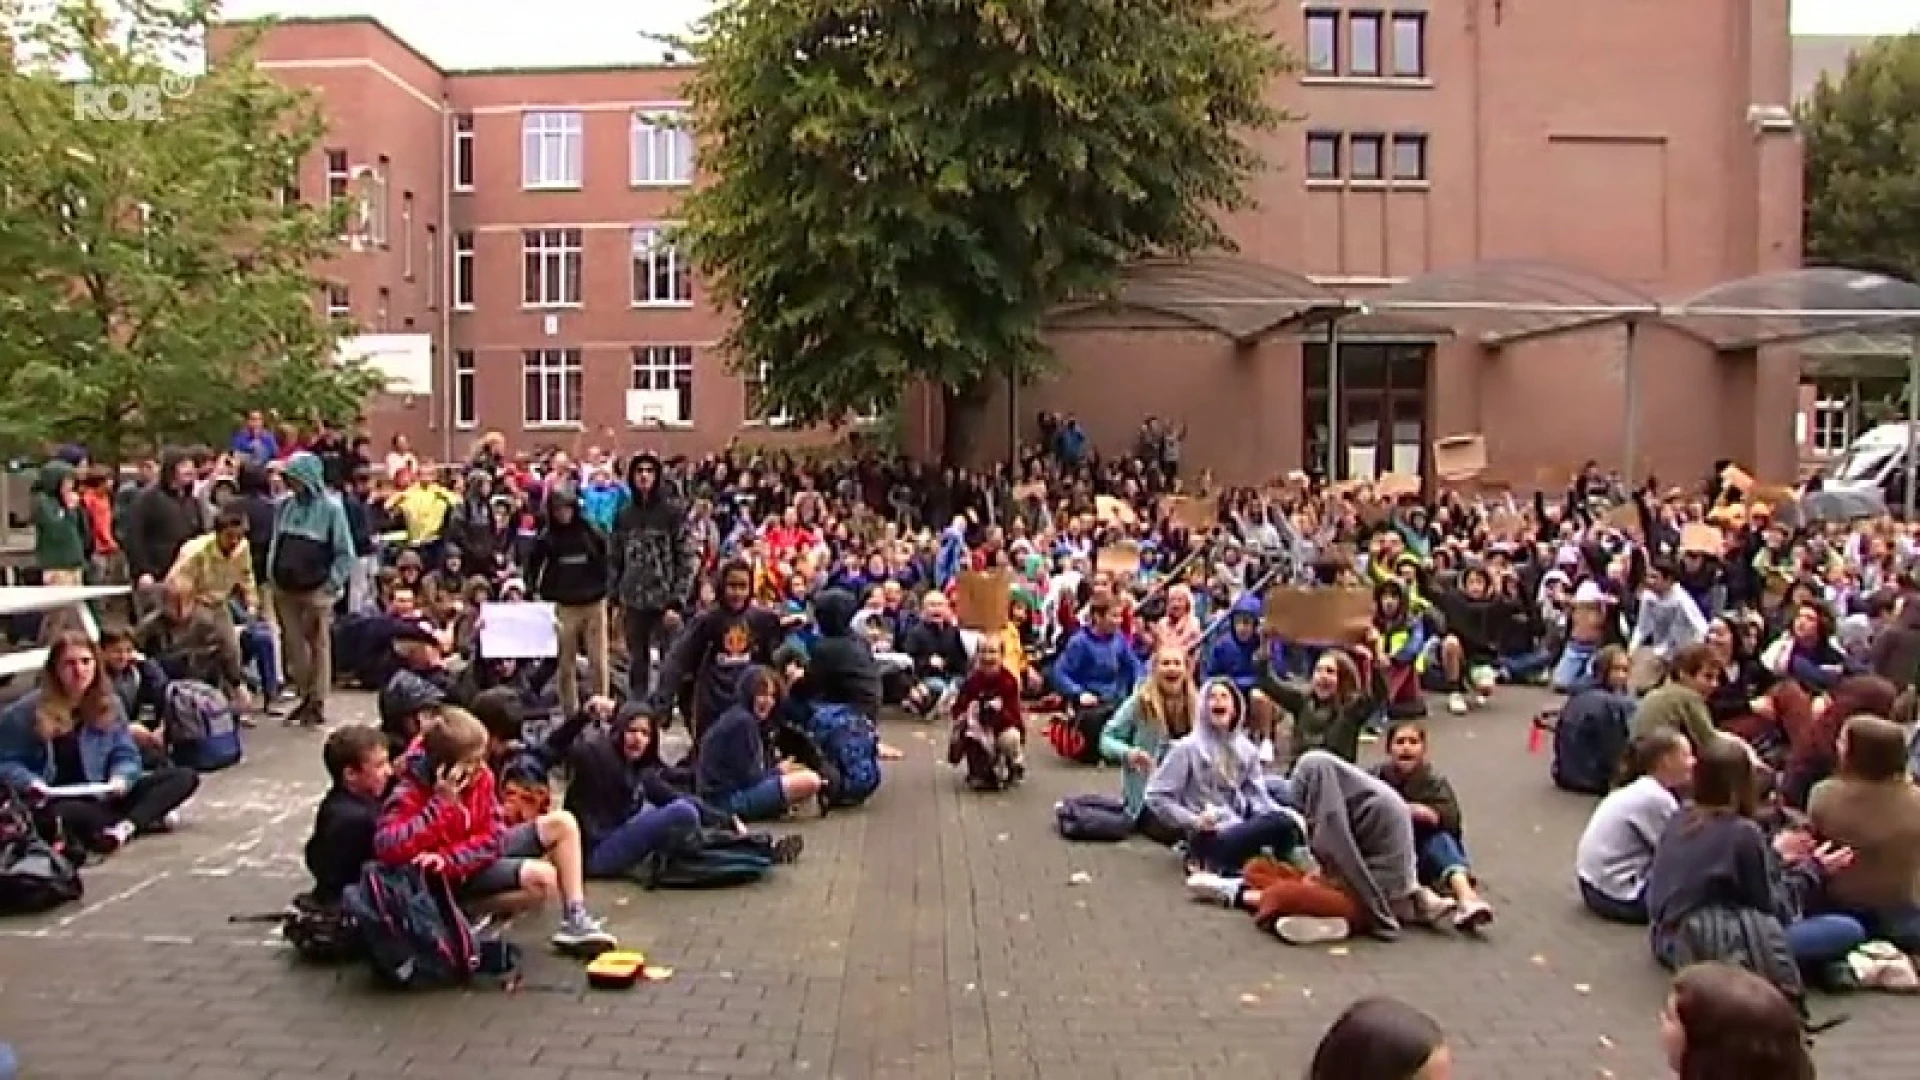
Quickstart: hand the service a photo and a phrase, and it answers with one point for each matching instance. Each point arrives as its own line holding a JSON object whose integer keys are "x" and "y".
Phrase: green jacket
{"x": 59, "y": 531}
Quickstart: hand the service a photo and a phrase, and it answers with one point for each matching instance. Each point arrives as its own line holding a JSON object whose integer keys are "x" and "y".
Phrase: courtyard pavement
{"x": 932, "y": 934}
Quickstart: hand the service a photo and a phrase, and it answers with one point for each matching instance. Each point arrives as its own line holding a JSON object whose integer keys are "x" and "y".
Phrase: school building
{"x": 1473, "y": 227}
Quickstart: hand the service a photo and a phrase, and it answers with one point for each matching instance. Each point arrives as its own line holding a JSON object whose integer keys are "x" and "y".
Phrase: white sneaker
{"x": 170, "y": 821}
{"x": 1311, "y": 930}
{"x": 1213, "y": 888}
{"x": 1479, "y": 701}
{"x": 1457, "y": 704}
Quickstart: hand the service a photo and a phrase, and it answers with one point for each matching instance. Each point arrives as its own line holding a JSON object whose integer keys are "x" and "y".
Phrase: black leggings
{"x": 150, "y": 799}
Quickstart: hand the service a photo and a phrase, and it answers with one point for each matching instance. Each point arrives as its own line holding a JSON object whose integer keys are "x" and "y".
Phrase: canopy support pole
{"x": 1630, "y": 379}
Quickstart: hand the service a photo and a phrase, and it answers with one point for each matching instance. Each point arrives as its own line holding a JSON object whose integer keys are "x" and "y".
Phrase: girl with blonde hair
{"x": 1136, "y": 738}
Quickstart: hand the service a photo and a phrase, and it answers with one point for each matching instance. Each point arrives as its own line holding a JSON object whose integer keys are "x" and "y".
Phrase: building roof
{"x": 1815, "y": 55}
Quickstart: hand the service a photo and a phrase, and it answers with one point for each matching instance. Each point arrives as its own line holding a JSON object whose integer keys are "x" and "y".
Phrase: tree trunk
{"x": 963, "y": 412}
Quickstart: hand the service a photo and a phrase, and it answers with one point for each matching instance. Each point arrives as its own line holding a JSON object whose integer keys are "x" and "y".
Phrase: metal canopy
{"x": 1239, "y": 298}
{"x": 1798, "y": 305}
{"x": 1509, "y": 300}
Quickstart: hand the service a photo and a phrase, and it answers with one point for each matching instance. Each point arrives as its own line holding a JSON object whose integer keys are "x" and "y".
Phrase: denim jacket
{"x": 26, "y": 758}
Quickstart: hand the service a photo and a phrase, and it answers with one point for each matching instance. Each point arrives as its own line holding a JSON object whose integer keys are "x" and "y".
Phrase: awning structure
{"x": 1798, "y": 305}
{"x": 1510, "y": 300}
{"x": 1239, "y": 298}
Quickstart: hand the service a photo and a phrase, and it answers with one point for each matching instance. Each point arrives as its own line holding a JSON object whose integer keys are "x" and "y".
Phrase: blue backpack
{"x": 414, "y": 934}
{"x": 851, "y": 746}
{"x": 202, "y": 727}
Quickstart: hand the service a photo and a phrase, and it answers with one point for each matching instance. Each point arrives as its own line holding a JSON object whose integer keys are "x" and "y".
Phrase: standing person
{"x": 309, "y": 562}
{"x": 59, "y": 526}
{"x": 164, "y": 516}
{"x": 655, "y": 561}
{"x": 255, "y": 442}
{"x": 568, "y": 569}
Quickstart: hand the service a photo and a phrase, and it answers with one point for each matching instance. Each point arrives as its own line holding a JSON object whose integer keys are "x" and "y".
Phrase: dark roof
{"x": 1815, "y": 55}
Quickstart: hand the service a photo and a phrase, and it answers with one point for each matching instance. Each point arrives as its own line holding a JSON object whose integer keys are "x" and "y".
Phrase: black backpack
{"x": 414, "y": 934}
{"x": 35, "y": 873}
{"x": 708, "y": 859}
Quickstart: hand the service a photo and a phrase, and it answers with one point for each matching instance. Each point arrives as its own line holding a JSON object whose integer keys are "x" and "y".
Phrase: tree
{"x": 1863, "y": 161}
{"x": 900, "y": 192}
{"x": 157, "y": 282}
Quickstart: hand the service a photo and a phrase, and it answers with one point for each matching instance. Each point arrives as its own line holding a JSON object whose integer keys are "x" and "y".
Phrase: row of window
{"x": 553, "y": 150}
{"x": 1366, "y": 44}
{"x": 1367, "y": 157}
{"x": 554, "y": 388}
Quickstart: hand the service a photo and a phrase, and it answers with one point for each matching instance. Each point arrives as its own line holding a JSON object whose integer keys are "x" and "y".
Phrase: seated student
{"x": 939, "y": 654}
{"x": 1399, "y": 641}
{"x": 1616, "y": 848}
{"x": 407, "y": 704}
{"x": 839, "y": 667}
{"x": 342, "y": 841}
{"x": 1590, "y": 736}
{"x": 1022, "y": 649}
{"x": 1474, "y": 616}
{"x": 1441, "y": 855}
{"x": 71, "y": 730}
{"x": 715, "y": 648}
{"x": 1870, "y": 806}
{"x": 1328, "y": 712}
{"x": 1235, "y": 655}
{"x": 731, "y": 768}
{"x": 1680, "y": 704}
{"x": 1161, "y": 712}
{"x": 1210, "y": 786}
{"x": 989, "y": 734}
{"x": 443, "y": 817}
{"x": 189, "y": 642}
{"x": 1590, "y": 614}
{"x": 1097, "y": 668}
{"x": 142, "y": 689}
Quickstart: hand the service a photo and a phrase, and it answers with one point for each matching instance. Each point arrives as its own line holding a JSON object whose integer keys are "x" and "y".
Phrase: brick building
{"x": 515, "y": 215}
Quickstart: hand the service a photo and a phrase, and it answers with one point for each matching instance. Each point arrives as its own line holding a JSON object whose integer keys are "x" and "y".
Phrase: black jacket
{"x": 158, "y": 523}
{"x": 342, "y": 842}
{"x": 655, "y": 555}
{"x": 841, "y": 669}
{"x": 604, "y": 789}
{"x": 926, "y": 641}
{"x": 568, "y": 564}
{"x": 714, "y": 650}
{"x": 255, "y": 493}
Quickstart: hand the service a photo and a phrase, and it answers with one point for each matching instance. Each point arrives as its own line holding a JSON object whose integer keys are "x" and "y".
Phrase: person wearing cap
{"x": 1587, "y": 617}
{"x": 407, "y": 705}
{"x": 654, "y": 560}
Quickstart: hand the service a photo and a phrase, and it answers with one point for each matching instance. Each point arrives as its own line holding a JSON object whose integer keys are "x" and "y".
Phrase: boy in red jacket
{"x": 443, "y": 817}
{"x": 987, "y": 708}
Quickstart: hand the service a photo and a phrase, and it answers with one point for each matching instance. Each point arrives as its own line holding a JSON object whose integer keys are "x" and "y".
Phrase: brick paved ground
{"x": 933, "y": 934}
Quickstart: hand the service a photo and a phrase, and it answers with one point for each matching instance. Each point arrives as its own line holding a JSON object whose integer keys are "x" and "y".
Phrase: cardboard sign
{"x": 1505, "y": 524}
{"x": 1194, "y": 513}
{"x": 1113, "y": 511}
{"x": 1734, "y": 476}
{"x": 1460, "y": 457}
{"x": 1317, "y": 616}
{"x": 1395, "y": 486}
{"x": 1025, "y": 492}
{"x": 980, "y": 599}
{"x": 1771, "y": 494}
{"x": 1625, "y": 518}
{"x": 1702, "y": 539}
{"x": 1121, "y": 558}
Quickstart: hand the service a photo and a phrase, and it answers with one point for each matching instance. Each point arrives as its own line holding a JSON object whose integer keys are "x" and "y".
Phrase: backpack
{"x": 35, "y": 875}
{"x": 320, "y": 933}
{"x": 708, "y": 859}
{"x": 1076, "y": 735}
{"x": 200, "y": 724}
{"x": 1589, "y": 739}
{"x": 414, "y": 934}
{"x": 1092, "y": 819}
{"x": 851, "y": 747}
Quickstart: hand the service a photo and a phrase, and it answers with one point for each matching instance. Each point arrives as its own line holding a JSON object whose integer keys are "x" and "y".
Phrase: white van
{"x": 1876, "y": 459}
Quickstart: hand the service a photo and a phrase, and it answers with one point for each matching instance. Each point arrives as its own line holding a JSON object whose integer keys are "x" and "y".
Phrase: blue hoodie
{"x": 1102, "y": 665}
{"x": 314, "y": 514}
{"x": 601, "y": 504}
{"x": 952, "y": 557}
{"x": 1230, "y": 658}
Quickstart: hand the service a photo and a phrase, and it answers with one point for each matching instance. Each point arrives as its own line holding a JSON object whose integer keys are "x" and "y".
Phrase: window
{"x": 339, "y": 176}
{"x": 1831, "y": 426}
{"x": 463, "y": 276}
{"x": 1323, "y": 156}
{"x": 463, "y": 152}
{"x": 1410, "y": 157}
{"x": 466, "y": 390}
{"x": 555, "y": 383}
{"x": 290, "y": 187}
{"x": 1323, "y": 43}
{"x": 382, "y": 310}
{"x": 662, "y": 149}
{"x": 339, "y": 302}
{"x": 368, "y": 221}
{"x": 1365, "y": 154}
{"x": 553, "y": 264}
{"x": 1363, "y": 44}
{"x": 667, "y": 369}
{"x": 661, "y": 276}
{"x": 552, "y": 145}
{"x": 1410, "y": 45}
{"x": 758, "y": 411}
{"x": 406, "y": 235}
{"x": 433, "y": 264}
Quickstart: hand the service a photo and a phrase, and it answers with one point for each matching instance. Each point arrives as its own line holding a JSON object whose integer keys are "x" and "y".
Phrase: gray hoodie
{"x": 1360, "y": 831}
{"x": 1209, "y": 769}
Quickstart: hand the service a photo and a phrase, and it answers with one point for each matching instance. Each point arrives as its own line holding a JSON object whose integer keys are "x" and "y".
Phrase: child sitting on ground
{"x": 444, "y": 818}
{"x": 342, "y": 840}
{"x": 988, "y": 733}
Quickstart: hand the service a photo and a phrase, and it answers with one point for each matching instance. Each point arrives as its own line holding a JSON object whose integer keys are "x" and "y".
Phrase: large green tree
{"x": 156, "y": 282}
{"x": 1862, "y": 137}
{"x": 899, "y": 192}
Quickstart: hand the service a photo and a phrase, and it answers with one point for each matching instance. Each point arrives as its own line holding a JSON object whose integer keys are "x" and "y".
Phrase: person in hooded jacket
{"x": 60, "y": 531}
{"x": 309, "y": 560}
{"x": 655, "y": 560}
{"x": 718, "y": 646}
{"x": 470, "y": 527}
{"x": 161, "y": 518}
{"x": 1235, "y": 655}
{"x": 840, "y": 669}
{"x": 568, "y": 568}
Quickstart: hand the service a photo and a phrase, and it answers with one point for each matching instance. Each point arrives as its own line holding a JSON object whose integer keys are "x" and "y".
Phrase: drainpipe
{"x": 1630, "y": 378}
{"x": 1333, "y": 404}
{"x": 443, "y": 408}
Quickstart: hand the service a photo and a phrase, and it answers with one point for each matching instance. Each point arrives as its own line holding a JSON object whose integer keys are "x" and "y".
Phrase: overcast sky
{"x": 497, "y": 33}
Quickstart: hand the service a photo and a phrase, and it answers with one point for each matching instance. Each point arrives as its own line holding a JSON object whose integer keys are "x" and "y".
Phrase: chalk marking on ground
{"x": 127, "y": 893}
{"x": 122, "y": 937}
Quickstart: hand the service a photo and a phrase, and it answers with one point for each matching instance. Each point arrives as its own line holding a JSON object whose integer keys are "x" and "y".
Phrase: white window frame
{"x": 464, "y": 151}
{"x": 1830, "y": 426}
{"x": 779, "y": 419}
{"x": 552, "y": 150}
{"x": 463, "y": 255}
{"x": 662, "y": 149}
{"x": 660, "y": 368}
{"x": 344, "y": 308}
{"x": 559, "y": 271}
{"x": 653, "y": 252}
{"x": 553, "y": 367}
{"x": 339, "y": 174}
{"x": 466, "y": 390}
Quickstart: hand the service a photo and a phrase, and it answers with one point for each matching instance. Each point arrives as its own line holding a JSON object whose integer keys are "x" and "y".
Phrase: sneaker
{"x": 1457, "y": 704}
{"x": 787, "y": 849}
{"x": 168, "y": 822}
{"x": 1213, "y": 888}
{"x": 583, "y": 934}
{"x": 1311, "y": 930}
{"x": 1016, "y": 772}
{"x": 1425, "y": 908}
{"x": 1473, "y": 917}
{"x": 1479, "y": 701}
{"x": 114, "y": 837}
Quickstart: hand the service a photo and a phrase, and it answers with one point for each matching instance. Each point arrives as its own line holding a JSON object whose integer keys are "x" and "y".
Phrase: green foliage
{"x": 1862, "y": 143}
{"x": 900, "y": 192}
{"x": 155, "y": 284}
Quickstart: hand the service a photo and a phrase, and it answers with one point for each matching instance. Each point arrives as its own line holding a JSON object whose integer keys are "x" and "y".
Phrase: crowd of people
{"x": 1738, "y": 681}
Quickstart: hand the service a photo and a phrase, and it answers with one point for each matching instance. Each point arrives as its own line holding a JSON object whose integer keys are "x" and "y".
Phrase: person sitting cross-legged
{"x": 732, "y": 769}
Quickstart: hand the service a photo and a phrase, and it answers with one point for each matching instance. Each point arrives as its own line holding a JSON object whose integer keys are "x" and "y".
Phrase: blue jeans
{"x": 1226, "y": 851}
{"x": 1440, "y": 856}
{"x": 1899, "y": 927}
{"x": 641, "y": 835}
{"x": 258, "y": 648}
{"x": 1574, "y": 671}
{"x": 764, "y": 801}
{"x": 1818, "y": 940}
{"x": 1524, "y": 666}
{"x": 1631, "y": 912}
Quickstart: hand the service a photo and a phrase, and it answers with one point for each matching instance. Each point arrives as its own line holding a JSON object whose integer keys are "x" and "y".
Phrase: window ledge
{"x": 662, "y": 305}
{"x": 649, "y": 185}
{"x": 462, "y": 308}
{"x": 550, "y": 187}
{"x": 463, "y": 189}
{"x": 460, "y": 426}
{"x": 552, "y": 307}
{"x": 1369, "y": 185}
{"x": 767, "y": 425}
{"x": 552, "y": 427}
{"x": 1372, "y": 82}
{"x": 660, "y": 425}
